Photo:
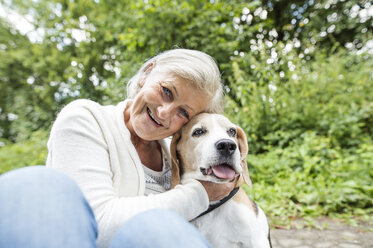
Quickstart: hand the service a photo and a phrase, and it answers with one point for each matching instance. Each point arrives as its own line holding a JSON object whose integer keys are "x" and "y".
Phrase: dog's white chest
{"x": 234, "y": 225}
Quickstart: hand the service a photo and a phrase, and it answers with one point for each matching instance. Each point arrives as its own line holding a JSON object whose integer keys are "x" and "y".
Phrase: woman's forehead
{"x": 167, "y": 75}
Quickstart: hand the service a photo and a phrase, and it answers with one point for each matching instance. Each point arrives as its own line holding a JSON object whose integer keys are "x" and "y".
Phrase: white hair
{"x": 197, "y": 67}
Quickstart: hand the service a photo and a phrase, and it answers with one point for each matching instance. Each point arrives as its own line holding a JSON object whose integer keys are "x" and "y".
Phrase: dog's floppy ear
{"x": 244, "y": 149}
{"x": 175, "y": 171}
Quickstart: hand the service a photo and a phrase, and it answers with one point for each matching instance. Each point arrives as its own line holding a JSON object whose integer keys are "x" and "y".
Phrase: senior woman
{"x": 119, "y": 158}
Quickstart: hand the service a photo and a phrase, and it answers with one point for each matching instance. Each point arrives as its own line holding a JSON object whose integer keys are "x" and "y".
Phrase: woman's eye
{"x": 198, "y": 132}
{"x": 184, "y": 113}
{"x": 167, "y": 92}
{"x": 232, "y": 132}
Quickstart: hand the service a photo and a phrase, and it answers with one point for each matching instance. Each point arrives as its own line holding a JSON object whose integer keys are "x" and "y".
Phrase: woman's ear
{"x": 175, "y": 170}
{"x": 244, "y": 149}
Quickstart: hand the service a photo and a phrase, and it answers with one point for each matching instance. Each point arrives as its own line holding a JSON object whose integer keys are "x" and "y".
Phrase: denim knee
{"x": 158, "y": 228}
{"x": 42, "y": 207}
{"x": 39, "y": 183}
{"x": 34, "y": 176}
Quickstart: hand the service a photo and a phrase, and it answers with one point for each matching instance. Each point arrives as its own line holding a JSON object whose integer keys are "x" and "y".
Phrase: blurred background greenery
{"x": 298, "y": 78}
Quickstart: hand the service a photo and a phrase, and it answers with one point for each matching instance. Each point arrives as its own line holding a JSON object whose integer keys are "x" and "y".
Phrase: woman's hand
{"x": 217, "y": 191}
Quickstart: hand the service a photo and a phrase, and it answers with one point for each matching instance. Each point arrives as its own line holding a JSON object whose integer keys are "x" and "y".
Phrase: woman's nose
{"x": 165, "y": 111}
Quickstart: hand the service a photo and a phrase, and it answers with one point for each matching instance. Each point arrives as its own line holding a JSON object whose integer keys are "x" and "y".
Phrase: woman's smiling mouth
{"x": 153, "y": 118}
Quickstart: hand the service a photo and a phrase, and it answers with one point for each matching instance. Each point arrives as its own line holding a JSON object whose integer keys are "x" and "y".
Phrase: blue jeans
{"x": 42, "y": 207}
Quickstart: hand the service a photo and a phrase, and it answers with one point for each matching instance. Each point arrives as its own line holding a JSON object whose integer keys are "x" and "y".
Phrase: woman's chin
{"x": 147, "y": 135}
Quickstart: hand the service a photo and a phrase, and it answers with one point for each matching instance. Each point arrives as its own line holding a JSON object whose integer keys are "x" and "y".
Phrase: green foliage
{"x": 32, "y": 151}
{"x": 333, "y": 96}
{"x": 313, "y": 178}
{"x": 309, "y": 131}
{"x": 89, "y": 49}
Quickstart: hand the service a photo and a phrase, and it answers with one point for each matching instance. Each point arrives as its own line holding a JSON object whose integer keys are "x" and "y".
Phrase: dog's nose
{"x": 225, "y": 147}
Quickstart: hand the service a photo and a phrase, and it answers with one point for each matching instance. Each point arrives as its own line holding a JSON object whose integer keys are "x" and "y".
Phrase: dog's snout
{"x": 225, "y": 147}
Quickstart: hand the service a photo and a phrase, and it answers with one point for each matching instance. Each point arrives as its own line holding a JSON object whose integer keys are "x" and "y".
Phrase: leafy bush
{"x": 311, "y": 178}
{"x": 32, "y": 151}
{"x": 333, "y": 96}
{"x": 309, "y": 129}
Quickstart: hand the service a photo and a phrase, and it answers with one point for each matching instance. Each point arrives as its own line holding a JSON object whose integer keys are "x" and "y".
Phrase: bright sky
{"x": 22, "y": 23}
{"x": 19, "y": 21}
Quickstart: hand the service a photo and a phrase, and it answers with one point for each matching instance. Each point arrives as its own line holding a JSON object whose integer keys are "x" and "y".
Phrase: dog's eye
{"x": 198, "y": 132}
{"x": 232, "y": 132}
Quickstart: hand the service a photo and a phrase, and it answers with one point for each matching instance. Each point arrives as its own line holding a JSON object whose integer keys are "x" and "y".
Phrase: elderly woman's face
{"x": 164, "y": 104}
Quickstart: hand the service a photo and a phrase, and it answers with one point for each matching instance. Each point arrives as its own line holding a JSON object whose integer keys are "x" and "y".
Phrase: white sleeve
{"x": 77, "y": 146}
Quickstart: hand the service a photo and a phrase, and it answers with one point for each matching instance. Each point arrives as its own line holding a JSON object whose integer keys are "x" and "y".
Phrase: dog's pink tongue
{"x": 223, "y": 171}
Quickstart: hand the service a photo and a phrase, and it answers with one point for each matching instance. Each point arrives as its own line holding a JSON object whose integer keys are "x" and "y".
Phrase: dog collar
{"x": 219, "y": 203}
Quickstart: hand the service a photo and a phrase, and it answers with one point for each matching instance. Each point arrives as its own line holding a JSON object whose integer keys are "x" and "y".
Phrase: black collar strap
{"x": 219, "y": 203}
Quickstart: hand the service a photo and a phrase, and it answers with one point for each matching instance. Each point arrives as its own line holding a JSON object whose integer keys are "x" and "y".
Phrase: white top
{"x": 158, "y": 181}
{"x": 92, "y": 144}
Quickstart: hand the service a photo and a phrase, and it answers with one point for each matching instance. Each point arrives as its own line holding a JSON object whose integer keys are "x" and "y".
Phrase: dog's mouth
{"x": 223, "y": 171}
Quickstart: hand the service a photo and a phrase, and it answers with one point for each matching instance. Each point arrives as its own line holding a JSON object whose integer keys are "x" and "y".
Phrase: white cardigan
{"x": 92, "y": 144}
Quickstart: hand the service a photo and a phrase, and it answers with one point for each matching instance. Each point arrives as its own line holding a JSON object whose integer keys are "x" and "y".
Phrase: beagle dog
{"x": 211, "y": 148}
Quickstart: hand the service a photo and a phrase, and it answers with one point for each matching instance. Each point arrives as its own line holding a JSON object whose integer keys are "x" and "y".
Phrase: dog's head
{"x": 209, "y": 148}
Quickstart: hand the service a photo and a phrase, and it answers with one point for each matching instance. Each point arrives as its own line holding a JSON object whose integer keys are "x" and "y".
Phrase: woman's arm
{"x": 80, "y": 145}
